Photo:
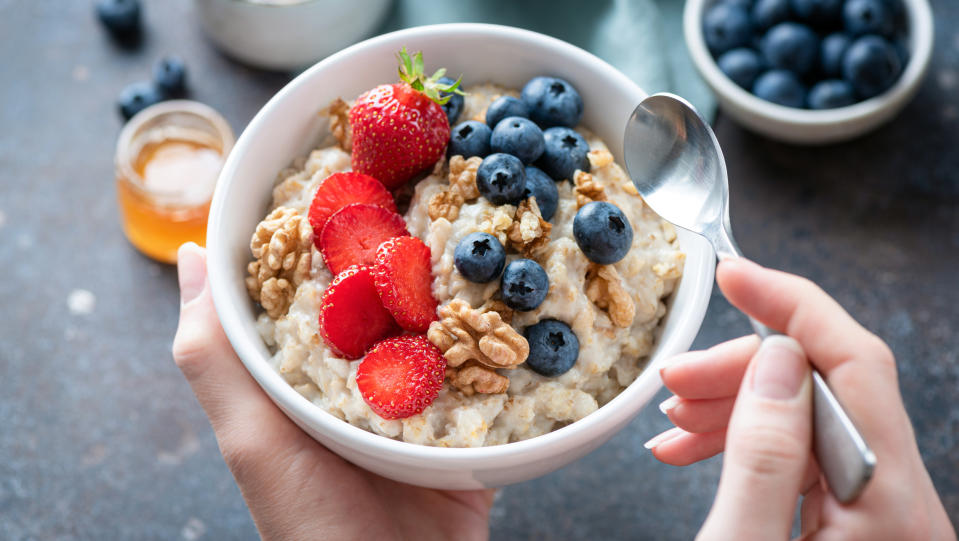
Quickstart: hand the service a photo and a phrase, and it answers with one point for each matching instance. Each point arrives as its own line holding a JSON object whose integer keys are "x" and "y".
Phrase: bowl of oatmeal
{"x": 499, "y": 410}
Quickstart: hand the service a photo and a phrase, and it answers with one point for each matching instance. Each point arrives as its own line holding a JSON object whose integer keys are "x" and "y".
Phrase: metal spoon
{"x": 676, "y": 164}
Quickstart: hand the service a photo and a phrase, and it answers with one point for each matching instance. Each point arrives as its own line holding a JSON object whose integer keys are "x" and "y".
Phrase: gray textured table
{"x": 100, "y": 437}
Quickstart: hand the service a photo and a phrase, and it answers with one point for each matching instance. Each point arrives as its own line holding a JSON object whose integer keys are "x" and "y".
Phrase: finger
{"x": 810, "y": 512}
{"x": 767, "y": 447}
{"x": 247, "y": 424}
{"x": 698, "y": 415}
{"x": 680, "y": 448}
{"x": 857, "y": 365}
{"x": 712, "y": 373}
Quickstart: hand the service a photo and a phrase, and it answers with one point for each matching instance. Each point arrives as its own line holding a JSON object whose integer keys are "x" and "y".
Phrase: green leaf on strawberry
{"x": 412, "y": 72}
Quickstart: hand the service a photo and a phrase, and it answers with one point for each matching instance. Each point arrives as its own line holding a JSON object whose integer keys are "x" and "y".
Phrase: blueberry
{"x": 780, "y": 86}
{"x": 501, "y": 178}
{"x": 479, "y": 257}
{"x": 169, "y": 75}
{"x": 542, "y": 187}
{"x": 791, "y": 46}
{"x": 564, "y": 152}
{"x": 823, "y": 14}
{"x": 524, "y": 284}
{"x": 871, "y": 65}
{"x": 830, "y": 94}
{"x": 553, "y": 347}
{"x": 767, "y": 13}
{"x": 868, "y": 17}
{"x": 503, "y": 107}
{"x": 470, "y": 138}
{"x": 552, "y": 102}
{"x": 518, "y": 136}
{"x": 454, "y": 106}
{"x": 742, "y": 65}
{"x": 602, "y": 232}
{"x": 745, "y": 4}
{"x": 831, "y": 50}
{"x": 120, "y": 17}
{"x": 137, "y": 97}
{"x": 725, "y": 27}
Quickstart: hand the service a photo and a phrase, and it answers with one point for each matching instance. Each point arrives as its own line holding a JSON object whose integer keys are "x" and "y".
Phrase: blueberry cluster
{"x": 816, "y": 54}
{"x": 526, "y": 143}
{"x": 169, "y": 81}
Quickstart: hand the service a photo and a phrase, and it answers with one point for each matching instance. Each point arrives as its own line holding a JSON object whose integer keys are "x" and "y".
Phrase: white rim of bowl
{"x": 613, "y": 412}
{"x": 920, "y": 40}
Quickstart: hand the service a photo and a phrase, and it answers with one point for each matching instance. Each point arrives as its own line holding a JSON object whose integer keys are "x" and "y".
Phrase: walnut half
{"x": 281, "y": 245}
{"x": 587, "y": 189}
{"x": 464, "y": 334}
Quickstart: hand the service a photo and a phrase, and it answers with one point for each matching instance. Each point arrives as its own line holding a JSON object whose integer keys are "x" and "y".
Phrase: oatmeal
{"x": 490, "y": 396}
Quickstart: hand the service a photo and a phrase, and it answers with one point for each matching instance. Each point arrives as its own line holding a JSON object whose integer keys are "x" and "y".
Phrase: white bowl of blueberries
{"x": 810, "y": 71}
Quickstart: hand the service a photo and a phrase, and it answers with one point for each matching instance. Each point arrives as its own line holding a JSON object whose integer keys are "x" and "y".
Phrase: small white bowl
{"x": 288, "y": 34}
{"x": 805, "y": 126}
{"x": 289, "y": 125}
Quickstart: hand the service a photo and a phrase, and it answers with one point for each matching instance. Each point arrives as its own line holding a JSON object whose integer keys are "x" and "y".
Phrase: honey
{"x": 168, "y": 160}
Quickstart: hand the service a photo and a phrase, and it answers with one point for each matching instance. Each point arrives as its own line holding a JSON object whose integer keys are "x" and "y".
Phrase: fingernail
{"x": 663, "y": 437}
{"x": 668, "y": 404}
{"x": 191, "y": 271}
{"x": 781, "y": 368}
{"x": 681, "y": 358}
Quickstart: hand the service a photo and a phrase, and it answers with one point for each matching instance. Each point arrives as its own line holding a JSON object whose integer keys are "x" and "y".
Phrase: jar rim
{"x": 123, "y": 159}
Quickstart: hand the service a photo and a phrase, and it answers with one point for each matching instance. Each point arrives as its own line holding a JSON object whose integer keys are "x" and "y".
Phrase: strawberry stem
{"x": 412, "y": 72}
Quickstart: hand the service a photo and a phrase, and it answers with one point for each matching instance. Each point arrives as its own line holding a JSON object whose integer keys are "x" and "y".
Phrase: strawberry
{"x": 401, "y": 376}
{"x": 400, "y": 129}
{"x": 403, "y": 278}
{"x": 353, "y": 233}
{"x": 352, "y": 318}
{"x": 341, "y": 189}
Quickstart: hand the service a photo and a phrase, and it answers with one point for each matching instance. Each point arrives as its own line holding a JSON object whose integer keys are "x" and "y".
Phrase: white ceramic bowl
{"x": 804, "y": 126}
{"x": 288, "y": 34}
{"x": 289, "y": 126}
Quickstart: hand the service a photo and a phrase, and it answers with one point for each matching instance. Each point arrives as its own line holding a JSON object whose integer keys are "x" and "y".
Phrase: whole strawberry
{"x": 400, "y": 129}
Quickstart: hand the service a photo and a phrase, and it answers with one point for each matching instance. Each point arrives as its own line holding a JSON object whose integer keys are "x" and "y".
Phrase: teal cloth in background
{"x": 642, "y": 38}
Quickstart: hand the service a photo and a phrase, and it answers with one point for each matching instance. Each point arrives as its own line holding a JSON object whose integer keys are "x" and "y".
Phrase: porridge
{"x": 554, "y": 329}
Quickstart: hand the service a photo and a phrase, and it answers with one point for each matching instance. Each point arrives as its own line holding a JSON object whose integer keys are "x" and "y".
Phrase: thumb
{"x": 767, "y": 447}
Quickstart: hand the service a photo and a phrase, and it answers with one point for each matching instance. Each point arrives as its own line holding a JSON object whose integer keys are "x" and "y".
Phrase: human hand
{"x": 756, "y": 402}
{"x": 296, "y": 488}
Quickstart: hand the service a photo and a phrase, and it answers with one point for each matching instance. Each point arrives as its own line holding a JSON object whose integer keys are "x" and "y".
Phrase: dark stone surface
{"x": 102, "y": 439}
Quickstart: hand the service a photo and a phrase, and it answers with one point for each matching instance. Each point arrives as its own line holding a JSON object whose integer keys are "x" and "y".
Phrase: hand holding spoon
{"x": 676, "y": 164}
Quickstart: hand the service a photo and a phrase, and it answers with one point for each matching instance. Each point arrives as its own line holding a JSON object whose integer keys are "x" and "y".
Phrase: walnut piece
{"x": 498, "y": 306}
{"x": 463, "y": 176}
{"x": 472, "y": 378}
{"x": 529, "y": 231}
{"x": 339, "y": 113}
{"x": 281, "y": 245}
{"x": 599, "y": 158}
{"x": 445, "y": 204}
{"x": 464, "y": 334}
{"x": 587, "y": 189}
{"x": 604, "y": 287}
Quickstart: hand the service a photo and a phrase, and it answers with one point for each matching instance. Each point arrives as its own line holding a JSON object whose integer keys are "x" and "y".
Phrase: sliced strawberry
{"x": 352, "y": 318}
{"x": 401, "y": 376}
{"x": 353, "y": 233}
{"x": 403, "y": 277}
{"x": 341, "y": 189}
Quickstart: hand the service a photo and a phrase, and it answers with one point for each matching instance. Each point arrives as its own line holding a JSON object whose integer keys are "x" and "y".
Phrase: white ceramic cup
{"x": 806, "y": 126}
{"x": 289, "y": 125}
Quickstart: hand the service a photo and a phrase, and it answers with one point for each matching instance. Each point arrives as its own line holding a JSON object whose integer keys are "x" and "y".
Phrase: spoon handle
{"x": 845, "y": 459}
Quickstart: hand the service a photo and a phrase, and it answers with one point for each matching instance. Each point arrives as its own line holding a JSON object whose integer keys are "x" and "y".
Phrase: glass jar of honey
{"x": 168, "y": 158}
